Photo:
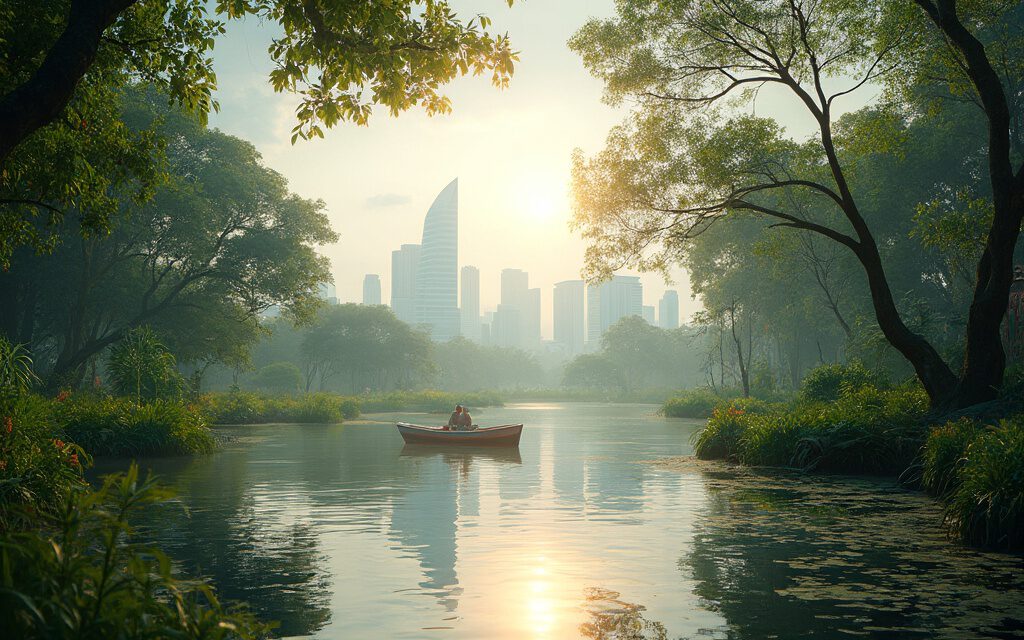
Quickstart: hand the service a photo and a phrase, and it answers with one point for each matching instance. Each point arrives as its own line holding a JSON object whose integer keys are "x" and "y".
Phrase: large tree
{"x": 681, "y": 163}
{"x": 61, "y": 147}
{"x": 217, "y": 245}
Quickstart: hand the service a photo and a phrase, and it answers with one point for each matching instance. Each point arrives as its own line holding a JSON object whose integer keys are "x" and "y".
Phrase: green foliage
{"x": 240, "y": 407}
{"x": 121, "y": 427}
{"x": 431, "y": 401}
{"x": 692, "y": 403}
{"x": 36, "y": 465}
{"x": 826, "y": 383}
{"x": 16, "y": 374}
{"x": 81, "y": 575}
{"x": 944, "y": 455}
{"x": 222, "y": 240}
{"x": 141, "y": 366}
{"x": 866, "y": 430}
{"x": 279, "y": 377}
{"x": 987, "y": 506}
{"x": 467, "y": 366}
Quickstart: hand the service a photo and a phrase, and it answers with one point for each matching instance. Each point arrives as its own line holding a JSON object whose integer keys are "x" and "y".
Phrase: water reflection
{"x": 343, "y": 532}
{"x": 787, "y": 555}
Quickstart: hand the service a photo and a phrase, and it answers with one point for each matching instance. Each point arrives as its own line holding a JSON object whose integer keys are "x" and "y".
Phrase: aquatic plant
{"x": 80, "y": 575}
{"x": 692, "y": 403}
{"x": 944, "y": 454}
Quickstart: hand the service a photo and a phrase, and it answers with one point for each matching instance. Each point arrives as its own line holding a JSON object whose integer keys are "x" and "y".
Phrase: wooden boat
{"x": 506, "y": 435}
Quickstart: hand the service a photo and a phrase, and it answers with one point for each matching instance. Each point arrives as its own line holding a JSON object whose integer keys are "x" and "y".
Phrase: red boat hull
{"x": 503, "y": 436}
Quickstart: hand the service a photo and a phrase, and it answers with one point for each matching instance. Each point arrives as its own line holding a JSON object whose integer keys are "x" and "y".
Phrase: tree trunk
{"x": 744, "y": 375}
{"x": 39, "y": 100}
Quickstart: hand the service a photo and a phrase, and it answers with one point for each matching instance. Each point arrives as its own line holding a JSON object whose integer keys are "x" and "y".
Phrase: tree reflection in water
{"x": 783, "y": 556}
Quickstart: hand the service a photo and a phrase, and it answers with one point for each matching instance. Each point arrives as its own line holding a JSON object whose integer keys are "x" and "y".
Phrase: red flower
{"x": 57, "y": 442}
{"x": 63, "y": 395}
{"x": 73, "y": 460}
{"x": 8, "y": 424}
{"x": 3, "y": 465}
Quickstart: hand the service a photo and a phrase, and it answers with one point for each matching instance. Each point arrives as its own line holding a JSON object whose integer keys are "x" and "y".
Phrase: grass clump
{"x": 692, "y": 403}
{"x": 79, "y": 574}
{"x": 987, "y": 508}
{"x": 123, "y": 427}
{"x": 867, "y": 430}
{"x": 242, "y": 407}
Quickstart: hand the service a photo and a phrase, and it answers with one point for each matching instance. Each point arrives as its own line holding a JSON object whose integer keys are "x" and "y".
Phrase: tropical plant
{"x": 16, "y": 374}
{"x": 141, "y": 366}
{"x": 121, "y": 427}
{"x": 82, "y": 575}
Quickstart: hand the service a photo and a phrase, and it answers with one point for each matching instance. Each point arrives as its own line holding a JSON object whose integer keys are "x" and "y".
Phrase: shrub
{"x": 36, "y": 464}
{"x": 121, "y": 427}
{"x": 987, "y": 508}
{"x": 82, "y": 576}
{"x": 16, "y": 375}
{"x": 140, "y": 366}
{"x": 827, "y": 382}
{"x": 944, "y": 454}
{"x": 280, "y": 377}
{"x": 433, "y": 401}
{"x": 720, "y": 437}
{"x": 865, "y": 430}
{"x": 692, "y": 403}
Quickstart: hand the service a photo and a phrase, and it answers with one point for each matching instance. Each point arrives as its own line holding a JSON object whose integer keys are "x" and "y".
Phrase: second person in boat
{"x": 460, "y": 419}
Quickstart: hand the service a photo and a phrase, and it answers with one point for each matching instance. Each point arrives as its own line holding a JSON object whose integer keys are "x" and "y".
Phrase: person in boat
{"x": 460, "y": 419}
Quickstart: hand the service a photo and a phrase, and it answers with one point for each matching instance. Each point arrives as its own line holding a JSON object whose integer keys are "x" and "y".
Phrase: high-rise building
{"x": 404, "y": 265}
{"x": 437, "y": 279}
{"x": 611, "y": 301}
{"x": 668, "y": 310}
{"x": 328, "y": 293}
{"x": 647, "y": 312}
{"x": 506, "y": 326}
{"x": 517, "y": 295}
{"x": 371, "y": 289}
{"x": 567, "y": 312}
{"x": 469, "y": 308}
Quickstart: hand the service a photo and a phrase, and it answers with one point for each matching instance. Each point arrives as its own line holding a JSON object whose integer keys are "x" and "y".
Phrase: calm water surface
{"x": 343, "y": 532}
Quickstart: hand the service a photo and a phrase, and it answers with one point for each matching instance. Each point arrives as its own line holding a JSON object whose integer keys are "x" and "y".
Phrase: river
{"x": 342, "y": 532}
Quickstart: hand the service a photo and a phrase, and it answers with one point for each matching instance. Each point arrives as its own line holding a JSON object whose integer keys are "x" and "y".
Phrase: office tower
{"x": 371, "y": 289}
{"x": 668, "y": 310}
{"x": 647, "y": 312}
{"x": 516, "y": 294}
{"x": 437, "y": 279}
{"x": 593, "y": 316}
{"x": 470, "y": 303}
{"x": 404, "y": 265}
{"x": 506, "y": 326}
{"x": 531, "y": 320}
{"x": 567, "y": 312}
{"x": 328, "y": 293}
{"x": 611, "y": 301}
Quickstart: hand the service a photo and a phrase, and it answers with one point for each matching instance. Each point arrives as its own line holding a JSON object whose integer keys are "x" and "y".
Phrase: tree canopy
{"x": 64, "y": 64}
{"x": 686, "y": 157}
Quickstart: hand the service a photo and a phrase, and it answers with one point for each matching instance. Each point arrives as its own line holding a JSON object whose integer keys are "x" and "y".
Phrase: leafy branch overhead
{"x": 64, "y": 63}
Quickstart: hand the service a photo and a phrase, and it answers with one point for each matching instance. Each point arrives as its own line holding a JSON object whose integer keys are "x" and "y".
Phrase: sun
{"x": 543, "y": 201}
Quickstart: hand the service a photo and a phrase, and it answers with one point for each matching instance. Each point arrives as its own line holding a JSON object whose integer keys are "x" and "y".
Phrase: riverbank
{"x": 973, "y": 465}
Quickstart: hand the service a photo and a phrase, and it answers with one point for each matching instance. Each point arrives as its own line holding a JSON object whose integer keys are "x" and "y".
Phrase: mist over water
{"x": 344, "y": 532}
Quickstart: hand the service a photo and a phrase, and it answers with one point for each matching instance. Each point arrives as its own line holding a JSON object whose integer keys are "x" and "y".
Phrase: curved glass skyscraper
{"x": 437, "y": 277}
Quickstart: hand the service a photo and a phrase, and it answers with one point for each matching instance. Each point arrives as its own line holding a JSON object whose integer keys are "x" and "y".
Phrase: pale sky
{"x": 509, "y": 148}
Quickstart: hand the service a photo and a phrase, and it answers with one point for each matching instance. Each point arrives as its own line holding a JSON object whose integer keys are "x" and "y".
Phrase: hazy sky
{"x": 510, "y": 150}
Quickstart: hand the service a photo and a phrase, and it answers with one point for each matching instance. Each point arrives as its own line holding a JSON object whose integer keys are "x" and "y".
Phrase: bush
{"x": 280, "y": 377}
{"x": 866, "y": 431}
{"x": 140, "y": 366}
{"x": 121, "y": 427}
{"x": 240, "y": 407}
{"x": 82, "y": 576}
{"x": 827, "y": 382}
{"x": 432, "y": 401}
{"x": 987, "y": 508}
{"x": 692, "y": 403}
{"x": 944, "y": 454}
{"x": 36, "y": 465}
